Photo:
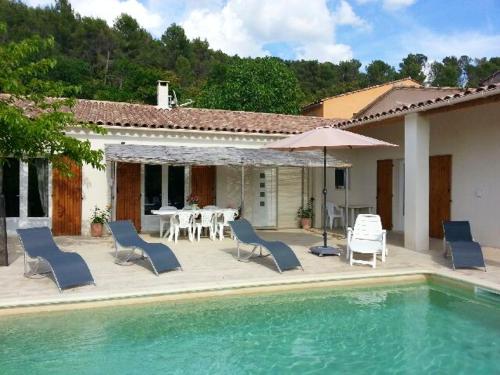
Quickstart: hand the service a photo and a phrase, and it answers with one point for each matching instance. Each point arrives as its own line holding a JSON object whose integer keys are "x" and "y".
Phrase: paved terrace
{"x": 211, "y": 265}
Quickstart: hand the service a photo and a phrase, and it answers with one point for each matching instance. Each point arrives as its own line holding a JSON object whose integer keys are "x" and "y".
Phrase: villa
{"x": 158, "y": 155}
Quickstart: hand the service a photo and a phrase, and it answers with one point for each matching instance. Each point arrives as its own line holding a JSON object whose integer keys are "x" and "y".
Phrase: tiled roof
{"x": 398, "y": 96}
{"x": 442, "y": 101}
{"x": 396, "y": 82}
{"x": 148, "y": 116}
{"x": 128, "y": 115}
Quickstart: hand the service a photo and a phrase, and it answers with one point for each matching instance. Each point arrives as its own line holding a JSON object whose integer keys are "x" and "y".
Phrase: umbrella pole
{"x": 325, "y": 249}
{"x": 324, "y": 199}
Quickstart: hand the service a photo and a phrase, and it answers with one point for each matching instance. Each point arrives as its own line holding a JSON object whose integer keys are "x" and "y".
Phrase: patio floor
{"x": 211, "y": 265}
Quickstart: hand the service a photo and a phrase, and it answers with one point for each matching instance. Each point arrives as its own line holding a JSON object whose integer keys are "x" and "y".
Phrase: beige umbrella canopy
{"x": 326, "y": 138}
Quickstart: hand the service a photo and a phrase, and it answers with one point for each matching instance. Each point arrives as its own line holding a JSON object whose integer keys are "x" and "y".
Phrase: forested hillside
{"x": 123, "y": 62}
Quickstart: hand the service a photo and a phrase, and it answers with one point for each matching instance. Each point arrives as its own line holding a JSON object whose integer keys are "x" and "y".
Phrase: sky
{"x": 324, "y": 30}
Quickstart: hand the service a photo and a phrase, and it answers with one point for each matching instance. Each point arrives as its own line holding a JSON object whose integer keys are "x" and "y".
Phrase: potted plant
{"x": 305, "y": 215}
{"x": 98, "y": 219}
{"x": 193, "y": 200}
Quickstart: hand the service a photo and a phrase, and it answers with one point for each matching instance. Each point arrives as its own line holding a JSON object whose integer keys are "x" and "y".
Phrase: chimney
{"x": 163, "y": 100}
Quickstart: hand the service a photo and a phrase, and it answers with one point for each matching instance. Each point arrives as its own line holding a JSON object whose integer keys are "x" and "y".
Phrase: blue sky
{"x": 327, "y": 30}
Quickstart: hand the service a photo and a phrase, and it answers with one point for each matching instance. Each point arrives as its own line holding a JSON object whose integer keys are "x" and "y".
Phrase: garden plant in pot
{"x": 193, "y": 200}
{"x": 305, "y": 215}
{"x": 98, "y": 219}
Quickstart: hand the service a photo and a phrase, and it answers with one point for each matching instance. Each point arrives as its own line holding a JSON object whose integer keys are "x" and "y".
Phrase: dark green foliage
{"x": 412, "y": 66}
{"x": 123, "y": 62}
{"x": 259, "y": 85}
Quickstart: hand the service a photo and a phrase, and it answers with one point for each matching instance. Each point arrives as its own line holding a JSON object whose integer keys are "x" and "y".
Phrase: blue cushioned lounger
{"x": 161, "y": 256}
{"x": 465, "y": 252}
{"x": 69, "y": 269}
{"x": 283, "y": 255}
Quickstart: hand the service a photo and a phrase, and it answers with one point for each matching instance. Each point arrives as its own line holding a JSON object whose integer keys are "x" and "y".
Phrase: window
{"x": 176, "y": 186}
{"x": 38, "y": 188}
{"x": 11, "y": 187}
{"x": 339, "y": 178}
{"x": 152, "y": 188}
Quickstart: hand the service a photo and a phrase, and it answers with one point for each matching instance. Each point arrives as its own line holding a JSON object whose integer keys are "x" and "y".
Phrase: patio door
{"x": 203, "y": 184}
{"x": 67, "y": 201}
{"x": 439, "y": 193}
{"x": 128, "y": 193}
{"x": 384, "y": 192}
{"x": 264, "y": 191}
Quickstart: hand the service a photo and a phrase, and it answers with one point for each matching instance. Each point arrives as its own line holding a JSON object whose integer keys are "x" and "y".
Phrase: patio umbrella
{"x": 326, "y": 138}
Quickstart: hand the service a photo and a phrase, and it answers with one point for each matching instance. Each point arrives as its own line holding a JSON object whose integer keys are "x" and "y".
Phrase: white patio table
{"x": 355, "y": 209}
{"x": 172, "y": 213}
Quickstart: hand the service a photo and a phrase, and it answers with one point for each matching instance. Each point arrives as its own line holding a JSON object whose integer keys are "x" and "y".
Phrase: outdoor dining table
{"x": 355, "y": 209}
{"x": 196, "y": 211}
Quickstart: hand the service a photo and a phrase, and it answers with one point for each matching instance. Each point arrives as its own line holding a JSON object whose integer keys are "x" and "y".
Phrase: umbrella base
{"x": 322, "y": 250}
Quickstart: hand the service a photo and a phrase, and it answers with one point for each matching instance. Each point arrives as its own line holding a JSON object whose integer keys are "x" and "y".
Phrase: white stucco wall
{"x": 471, "y": 135}
{"x": 97, "y": 184}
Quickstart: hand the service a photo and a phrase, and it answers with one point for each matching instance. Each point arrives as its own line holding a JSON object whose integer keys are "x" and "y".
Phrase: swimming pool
{"x": 409, "y": 329}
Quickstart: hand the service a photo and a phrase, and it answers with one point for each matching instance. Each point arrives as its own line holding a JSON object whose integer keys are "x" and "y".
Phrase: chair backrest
{"x": 185, "y": 218}
{"x": 228, "y": 215}
{"x": 38, "y": 242}
{"x": 207, "y": 218}
{"x": 124, "y": 232}
{"x": 457, "y": 231}
{"x": 330, "y": 208}
{"x": 244, "y": 231}
{"x": 368, "y": 227}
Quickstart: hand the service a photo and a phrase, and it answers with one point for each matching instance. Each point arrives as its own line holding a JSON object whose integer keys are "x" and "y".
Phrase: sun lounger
{"x": 283, "y": 255}
{"x": 68, "y": 269}
{"x": 465, "y": 252}
{"x": 159, "y": 255}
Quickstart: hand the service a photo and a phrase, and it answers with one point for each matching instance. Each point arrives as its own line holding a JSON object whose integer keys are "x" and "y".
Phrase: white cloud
{"x": 438, "y": 45}
{"x": 344, "y": 15}
{"x": 109, "y": 10}
{"x": 397, "y": 4}
{"x": 245, "y": 27}
{"x": 390, "y": 5}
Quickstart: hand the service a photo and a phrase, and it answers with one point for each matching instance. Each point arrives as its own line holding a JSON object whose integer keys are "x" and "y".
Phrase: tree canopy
{"x": 37, "y": 129}
{"x": 123, "y": 62}
{"x": 259, "y": 85}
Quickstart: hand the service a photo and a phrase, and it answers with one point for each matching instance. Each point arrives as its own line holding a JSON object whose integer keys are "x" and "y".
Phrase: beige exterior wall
{"x": 471, "y": 135}
{"x": 345, "y": 106}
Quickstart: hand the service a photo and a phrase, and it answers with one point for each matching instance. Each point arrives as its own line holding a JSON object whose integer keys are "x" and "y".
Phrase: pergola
{"x": 218, "y": 156}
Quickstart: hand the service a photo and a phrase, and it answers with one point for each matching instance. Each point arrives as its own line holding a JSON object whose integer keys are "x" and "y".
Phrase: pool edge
{"x": 244, "y": 288}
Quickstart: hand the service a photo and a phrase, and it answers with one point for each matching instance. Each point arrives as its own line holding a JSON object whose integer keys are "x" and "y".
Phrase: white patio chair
{"x": 205, "y": 221}
{"x": 166, "y": 219}
{"x": 223, "y": 221}
{"x": 183, "y": 220}
{"x": 333, "y": 212}
{"x": 368, "y": 237}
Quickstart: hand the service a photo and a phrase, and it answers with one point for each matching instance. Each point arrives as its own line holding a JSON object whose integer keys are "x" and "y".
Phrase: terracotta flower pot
{"x": 305, "y": 223}
{"x": 96, "y": 229}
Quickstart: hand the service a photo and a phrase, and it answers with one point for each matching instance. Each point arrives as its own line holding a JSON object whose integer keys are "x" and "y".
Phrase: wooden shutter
{"x": 67, "y": 201}
{"x": 128, "y": 193}
{"x": 439, "y": 193}
{"x": 384, "y": 192}
{"x": 203, "y": 184}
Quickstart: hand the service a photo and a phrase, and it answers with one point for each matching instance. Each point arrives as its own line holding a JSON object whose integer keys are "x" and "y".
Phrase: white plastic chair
{"x": 183, "y": 220}
{"x": 223, "y": 221}
{"x": 206, "y": 220}
{"x": 166, "y": 219}
{"x": 333, "y": 212}
{"x": 368, "y": 237}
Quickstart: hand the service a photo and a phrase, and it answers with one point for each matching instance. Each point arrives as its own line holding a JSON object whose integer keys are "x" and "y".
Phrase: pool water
{"x": 407, "y": 329}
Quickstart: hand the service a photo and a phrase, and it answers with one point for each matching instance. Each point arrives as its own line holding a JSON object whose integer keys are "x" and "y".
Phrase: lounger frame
{"x": 128, "y": 258}
{"x": 252, "y": 253}
{"x": 34, "y": 271}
